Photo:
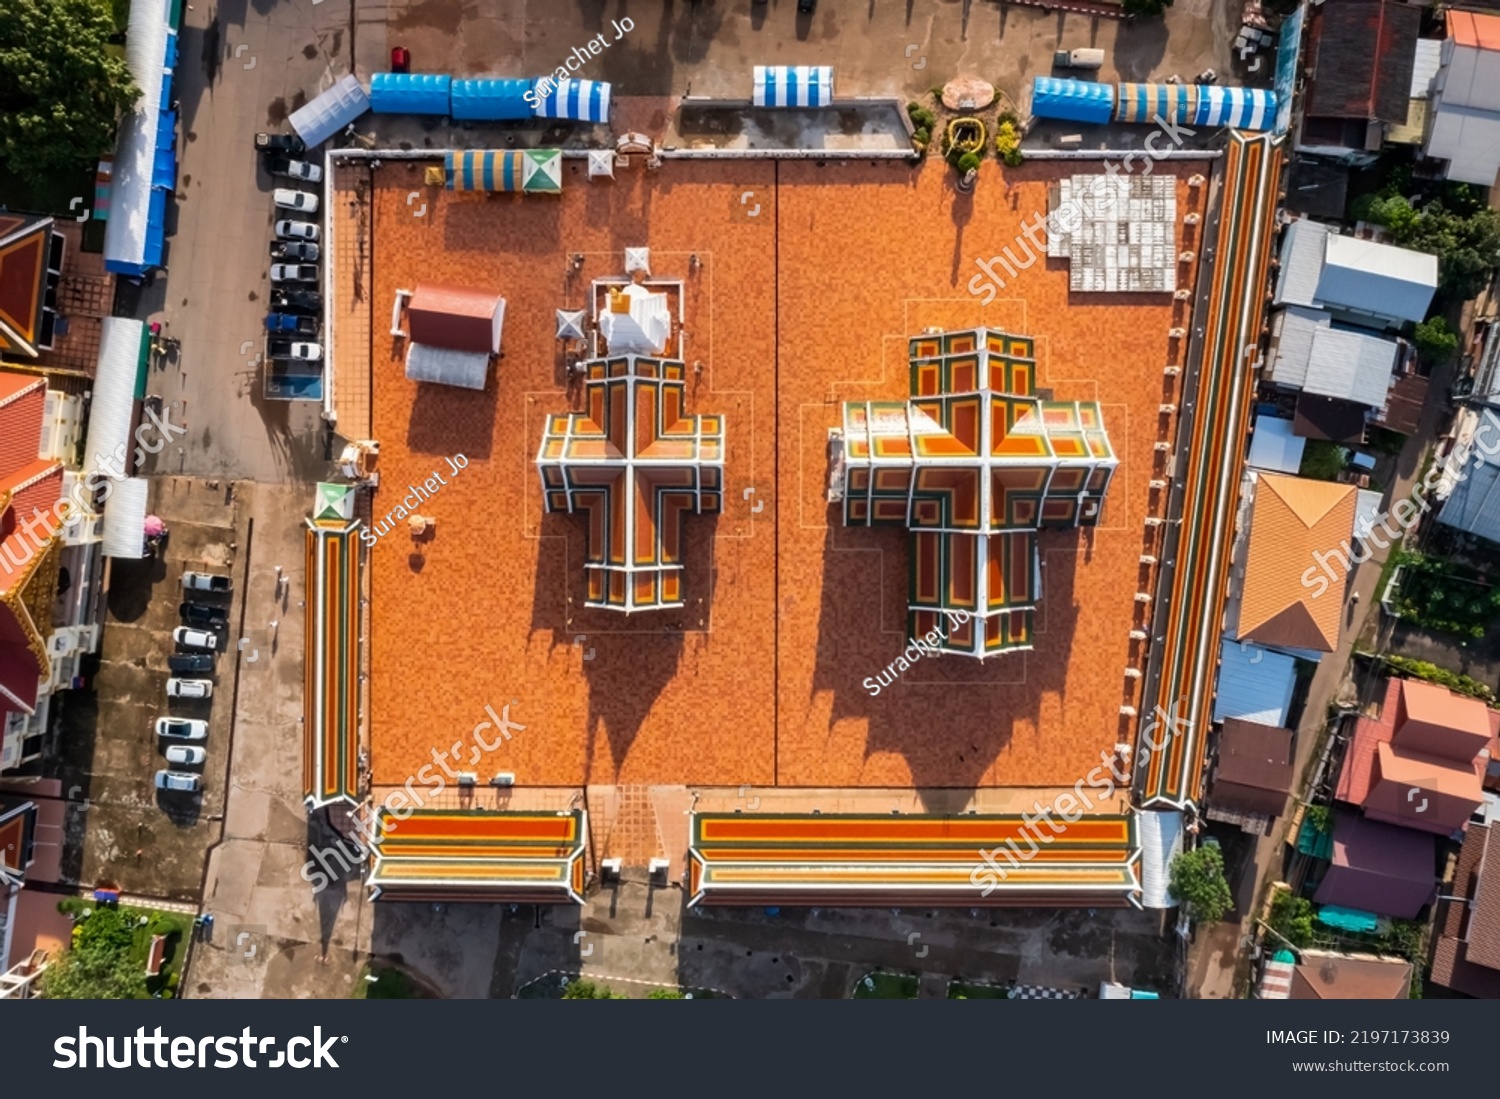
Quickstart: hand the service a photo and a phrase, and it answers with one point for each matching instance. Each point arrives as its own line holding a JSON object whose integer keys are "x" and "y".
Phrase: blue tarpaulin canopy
{"x": 793, "y": 86}
{"x": 1072, "y": 100}
{"x": 581, "y": 100}
{"x": 145, "y": 166}
{"x": 491, "y": 100}
{"x": 1347, "y": 919}
{"x": 410, "y": 93}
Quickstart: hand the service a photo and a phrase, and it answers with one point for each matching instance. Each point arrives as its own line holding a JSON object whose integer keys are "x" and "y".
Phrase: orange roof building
{"x": 974, "y": 464}
{"x": 1296, "y": 525}
{"x": 1418, "y": 764}
{"x": 28, "y": 267}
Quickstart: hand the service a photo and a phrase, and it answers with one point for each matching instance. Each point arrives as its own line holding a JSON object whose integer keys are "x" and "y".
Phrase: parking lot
{"x": 146, "y": 841}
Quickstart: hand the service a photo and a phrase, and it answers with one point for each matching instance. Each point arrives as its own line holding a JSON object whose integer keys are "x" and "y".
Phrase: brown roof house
{"x": 1466, "y": 938}
{"x": 1324, "y": 975}
{"x": 1252, "y": 776}
{"x": 451, "y": 333}
{"x": 1299, "y": 533}
{"x": 1359, "y": 61}
{"x": 1379, "y": 868}
{"x": 1421, "y": 763}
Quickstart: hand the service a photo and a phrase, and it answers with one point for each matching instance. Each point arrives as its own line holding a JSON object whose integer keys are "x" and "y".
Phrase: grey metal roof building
{"x": 1360, "y": 281}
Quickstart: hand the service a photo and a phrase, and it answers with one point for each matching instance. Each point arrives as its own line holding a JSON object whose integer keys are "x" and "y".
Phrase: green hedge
{"x": 1431, "y": 673}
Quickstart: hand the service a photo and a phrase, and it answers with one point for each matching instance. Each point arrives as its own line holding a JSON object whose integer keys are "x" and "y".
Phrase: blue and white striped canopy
{"x": 581, "y": 100}
{"x": 793, "y": 85}
{"x": 1239, "y": 108}
{"x": 1176, "y": 103}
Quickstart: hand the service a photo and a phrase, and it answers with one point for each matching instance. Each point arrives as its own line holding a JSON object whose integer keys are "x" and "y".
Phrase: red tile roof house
{"x": 1421, "y": 763}
{"x": 1466, "y": 932}
{"x": 46, "y": 626}
{"x": 1328, "y": 976}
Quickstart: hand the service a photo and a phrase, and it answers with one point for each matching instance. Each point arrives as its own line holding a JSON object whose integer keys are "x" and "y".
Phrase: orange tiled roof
{"x": 778, "y": 620}
{"x": 479, "y": 855}
{"x": 1476, "y": 29}
{"x": 24, "y": 244}
{"x": 1293, "y": 518}
{"x": 929, "y": 859}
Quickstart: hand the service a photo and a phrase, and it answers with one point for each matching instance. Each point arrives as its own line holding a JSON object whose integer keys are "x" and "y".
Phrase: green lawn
{"x": 887, "y": 986}
{"x": 968, "y": 990}
{"x": 178, "y": 928}
{"x": 389, "y": 984}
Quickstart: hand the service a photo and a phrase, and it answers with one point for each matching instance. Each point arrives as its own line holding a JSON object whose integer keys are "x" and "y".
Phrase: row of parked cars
{"x": 292, "y": 326}
{"x": 197, "y": 645}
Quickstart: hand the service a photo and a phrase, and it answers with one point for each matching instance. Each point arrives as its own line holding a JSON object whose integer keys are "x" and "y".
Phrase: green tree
{"x": 1463, "y": 235}
{"x": 101, "y": 964}
{"x": 1197, "y": 880}
{"x": 968, "y": 162}
{"x": 1146, "y": 8}
{"x": 1435, "y": 340}
{"x": 61, "y": 94}
{"x": 1292, "y": 918}
{"x": 664, "y": 994}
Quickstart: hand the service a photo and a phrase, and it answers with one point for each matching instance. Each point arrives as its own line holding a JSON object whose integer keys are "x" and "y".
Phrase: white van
{"x": 1078, "y": 59}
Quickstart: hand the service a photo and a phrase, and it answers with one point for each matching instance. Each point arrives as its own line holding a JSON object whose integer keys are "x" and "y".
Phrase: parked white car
{"x": 190, "y": 638}
{"x": 178, "y": 782}
{"x": 189, "y": 688}
{"x": 181, "y": 728}
{"x": 189, "y": 755}
{"x": 296, "y": 230}
{"x": 205, "y": 581}
{"x": 302, "y": 201}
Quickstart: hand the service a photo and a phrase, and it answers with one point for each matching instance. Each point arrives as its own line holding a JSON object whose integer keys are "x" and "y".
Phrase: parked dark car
{"x": 297, "y": 301}
{"x": 294, "y": 250}
{"x": 291, "y": 324}
{"x": 280, "y": 143}
{"x": 190, "y": 662}
{"x": 200, "y": 614}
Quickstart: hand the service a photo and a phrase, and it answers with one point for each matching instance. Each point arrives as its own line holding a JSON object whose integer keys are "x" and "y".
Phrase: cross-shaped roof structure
{"x": 974, "y": 464}
{"x": 634, "y": 462}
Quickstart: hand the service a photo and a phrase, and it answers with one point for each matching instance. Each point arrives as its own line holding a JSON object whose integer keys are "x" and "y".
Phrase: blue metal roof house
{"x": 1072, "y": 100}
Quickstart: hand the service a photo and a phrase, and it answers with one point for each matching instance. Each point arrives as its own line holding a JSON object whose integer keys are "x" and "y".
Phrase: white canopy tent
{"x": 112, "y": 411}
{"x": 1161, "y": 841}
{"x": 125, "y": 518}
{"x": 331, "y": 111}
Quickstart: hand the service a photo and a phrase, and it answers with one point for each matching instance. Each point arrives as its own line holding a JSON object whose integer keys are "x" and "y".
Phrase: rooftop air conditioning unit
{"x": 467, "y": 780}
{"x": 504, "y": 778}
